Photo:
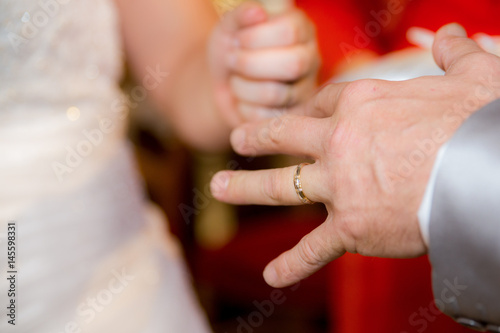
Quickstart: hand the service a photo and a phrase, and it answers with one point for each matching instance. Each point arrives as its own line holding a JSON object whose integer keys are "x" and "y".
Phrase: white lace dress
{"x": 92, "y": 256}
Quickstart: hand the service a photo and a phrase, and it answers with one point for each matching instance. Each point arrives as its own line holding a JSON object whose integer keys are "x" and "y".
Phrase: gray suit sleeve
{"x": 465, "y": 223}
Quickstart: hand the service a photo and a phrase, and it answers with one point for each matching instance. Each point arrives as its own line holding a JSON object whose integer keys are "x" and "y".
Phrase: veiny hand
{"x": 374, "y": 144}
{"x": 261, "y": 64}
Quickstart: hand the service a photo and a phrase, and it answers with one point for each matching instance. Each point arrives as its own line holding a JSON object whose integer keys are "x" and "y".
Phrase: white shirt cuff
{"x": 424, "y": 212}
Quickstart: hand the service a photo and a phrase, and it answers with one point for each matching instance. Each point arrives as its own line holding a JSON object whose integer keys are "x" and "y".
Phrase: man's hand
{"x": 262, "y": 64}
{"x": 374, "y": 144}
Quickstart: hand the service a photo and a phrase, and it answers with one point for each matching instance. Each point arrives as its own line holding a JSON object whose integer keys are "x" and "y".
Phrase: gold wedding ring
{"x": 298, "y": 185}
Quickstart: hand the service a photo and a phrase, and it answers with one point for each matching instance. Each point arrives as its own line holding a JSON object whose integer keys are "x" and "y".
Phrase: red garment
{"x": 476, "y": 16}
{"x": 381, "y": 25}
{"x": 374, "y": 294}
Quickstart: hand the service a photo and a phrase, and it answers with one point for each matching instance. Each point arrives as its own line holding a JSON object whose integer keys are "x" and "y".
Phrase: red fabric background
{"x": 337, "y": 20}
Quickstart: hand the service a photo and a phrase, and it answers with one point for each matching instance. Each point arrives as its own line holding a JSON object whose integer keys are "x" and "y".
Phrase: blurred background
{"x": 228, "y": 247}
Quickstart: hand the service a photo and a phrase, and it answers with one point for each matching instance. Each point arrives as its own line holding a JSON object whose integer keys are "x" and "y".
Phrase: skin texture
{"x": 203, "y": 56}
{"x": 373, "y": 144}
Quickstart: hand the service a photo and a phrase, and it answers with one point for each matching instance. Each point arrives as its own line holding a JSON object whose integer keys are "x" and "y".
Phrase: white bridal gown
{"x": 92, "y": 256}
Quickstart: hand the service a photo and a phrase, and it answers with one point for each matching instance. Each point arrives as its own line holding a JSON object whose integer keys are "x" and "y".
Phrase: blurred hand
{"x": 262, "y": 64}
{"x": 374, "y": 144}
{"x": 424, "y": 38}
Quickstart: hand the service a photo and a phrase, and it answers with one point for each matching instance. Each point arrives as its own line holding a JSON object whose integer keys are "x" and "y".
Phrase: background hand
{"x": 374, "y": 144}
{"x": 262, "y": 63}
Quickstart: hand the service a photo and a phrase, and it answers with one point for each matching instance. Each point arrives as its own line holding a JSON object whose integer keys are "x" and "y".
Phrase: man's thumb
{"x": 451, "y": 44}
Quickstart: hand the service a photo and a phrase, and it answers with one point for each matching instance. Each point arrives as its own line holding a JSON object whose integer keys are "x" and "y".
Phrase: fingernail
{"x": 235, "y": 42}
{"x": 219, "y": 183}
{"x": 455, "y": 29}
{"x": 271, "y": 276}
{"x": 238, "y": 138}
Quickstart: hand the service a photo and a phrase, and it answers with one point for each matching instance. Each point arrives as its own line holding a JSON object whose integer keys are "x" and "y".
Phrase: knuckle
{"x": 361, "y": 88}
{"x": 276, "y": 133}
{"x": 246, "y": 39}
{"x": 298, "y": 66}
{"x": 448, "y": 43}
{"x": 244, "y": 63}
{"x": 309, "y": 256}
{"x": 292, "y": 32}
{"x": 273, "y": 188}
{"x": 249, "y": 38}
{"x": 448, "y": 48}
{"x": 286, "y": 270}
{"x": 360, "y": 96}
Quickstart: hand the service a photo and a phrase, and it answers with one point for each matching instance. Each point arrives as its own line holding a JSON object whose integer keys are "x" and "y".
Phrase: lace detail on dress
{"x": 60, "y": 104}
{"x": 65, "y": 47}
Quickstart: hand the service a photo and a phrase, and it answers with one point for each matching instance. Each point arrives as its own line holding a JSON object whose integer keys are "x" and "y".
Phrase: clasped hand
{"x": 261, "y": 63}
